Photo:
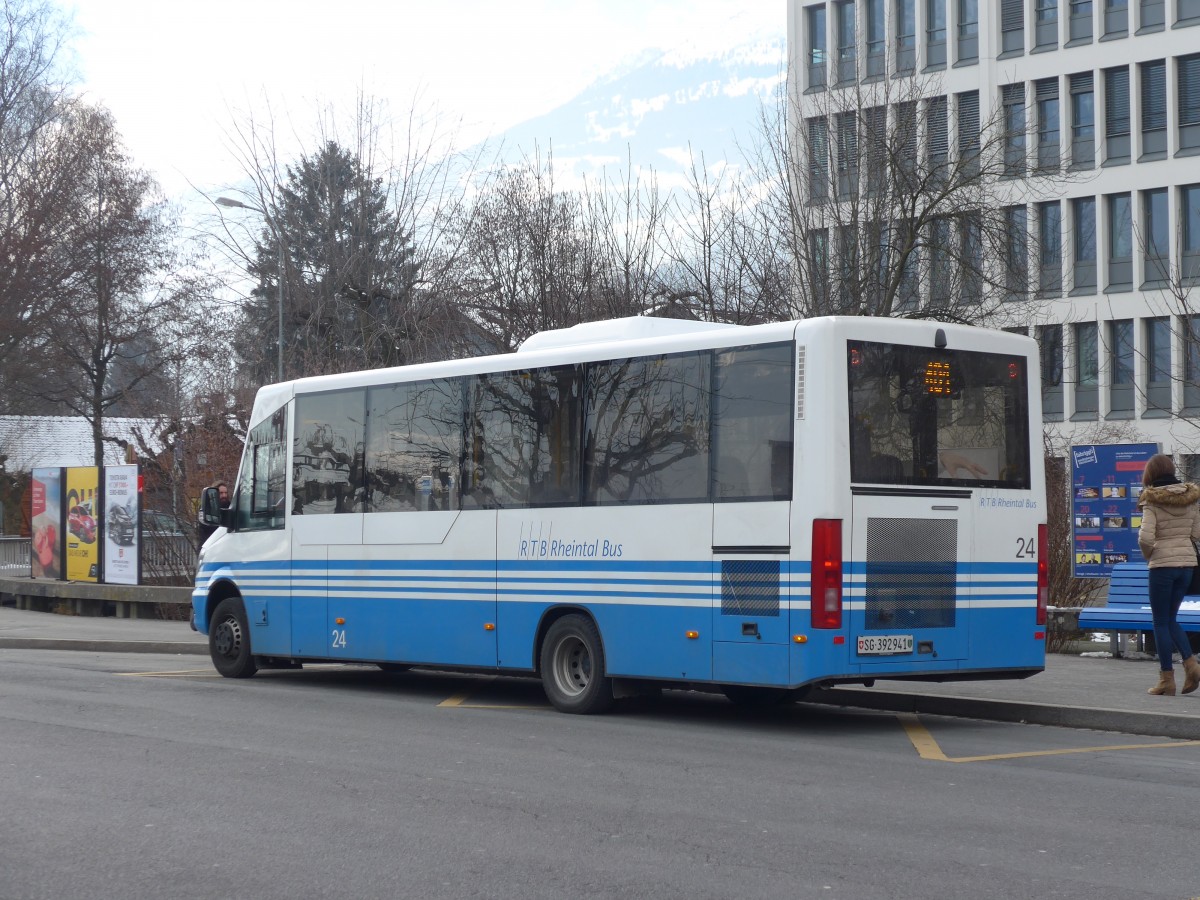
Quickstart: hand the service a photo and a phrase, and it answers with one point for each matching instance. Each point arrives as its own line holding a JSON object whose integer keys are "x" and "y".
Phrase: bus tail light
{"x": 1043, "y": 570}
{"x": 826, "y": 601}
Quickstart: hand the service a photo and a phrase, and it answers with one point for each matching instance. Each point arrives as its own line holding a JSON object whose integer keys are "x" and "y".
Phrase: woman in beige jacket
{"x": 1170, "y": 522}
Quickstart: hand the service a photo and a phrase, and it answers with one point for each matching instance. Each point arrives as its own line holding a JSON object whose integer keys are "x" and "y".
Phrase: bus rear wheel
{"x": 573, "y": 667}
{"x": 229, "y": 640}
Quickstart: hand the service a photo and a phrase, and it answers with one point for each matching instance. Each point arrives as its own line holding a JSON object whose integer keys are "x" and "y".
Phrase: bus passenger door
{"x": 751, "y": 624}
{"x": 909, "y": 578}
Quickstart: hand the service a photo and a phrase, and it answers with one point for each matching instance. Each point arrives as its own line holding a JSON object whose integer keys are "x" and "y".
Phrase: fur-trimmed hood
{"x": 1171, "y": 496}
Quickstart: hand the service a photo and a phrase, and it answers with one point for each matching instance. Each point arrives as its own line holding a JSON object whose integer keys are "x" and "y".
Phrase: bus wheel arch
{"x": 229, "y": 639}
{"x": 572, "y": 664}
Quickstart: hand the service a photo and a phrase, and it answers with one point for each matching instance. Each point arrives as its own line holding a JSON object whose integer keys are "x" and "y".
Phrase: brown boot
{"x": 1191, "y": 674}
{"x": 1166, "y": 684}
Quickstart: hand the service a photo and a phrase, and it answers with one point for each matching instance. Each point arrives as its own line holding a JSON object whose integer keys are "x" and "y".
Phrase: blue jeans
{"x": 1167, "y": 587}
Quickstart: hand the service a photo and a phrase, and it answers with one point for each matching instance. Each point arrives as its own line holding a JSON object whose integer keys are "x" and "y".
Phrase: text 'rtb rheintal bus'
{"x": 649, "y": 502}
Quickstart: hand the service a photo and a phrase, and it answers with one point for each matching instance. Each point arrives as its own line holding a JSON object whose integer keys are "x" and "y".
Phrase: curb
{"x": 1026, "y": 713}
{"x": 168, "y": 647}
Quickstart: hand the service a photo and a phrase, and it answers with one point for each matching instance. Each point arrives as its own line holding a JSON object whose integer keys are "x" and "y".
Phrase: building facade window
{"x": 1154, "y": 109}
{"x": 935, "y": 34}
{"x": 968, "y": 130}
{"x": 906, "y": 36}
{"x": 1189, "y": 103}
{"x": 1156, "y": 238}
{"x": 1012, "y": 27}
{"x": 1016, "y": 251}
{"x": 1120, "y": 242}
{"x": 1046, "y": 95}
{"x": 1083, "y": 122}
{"x": 1083, "y": 231}
{"x": 1050, "y": 348}
{"x": 1189, "y": 244}
{"x": 1151, "y": 16}
{"x": 1116, "y": 18}
{"x": 1080, "y": 26}
{"x": 1191, "y": 362}
{"x": 1187, "y": 12}
{"x": 941, "y": 257}
{"x": 875, "y": 135}
{"x": 970, "y": 238}
{"x": 937, "y": 136}
{"x": 1012, "y": 98}
{"x": 1087, "y": 370}
{"x": 1050, "y": 249}
{"x": 818, "y": 50}
{"x": 1045, "y": 17}
{"x": 1116, "y": 116}
{"x": 847, "y": 41}
{"x": 1158, "y": 365}
{"x": 847, "y": 155}
{"x": 968, "y": 31}
{"x": 818, "y": 159}
{"x": 1120, "y": 368}
{"x": 876, "y": 39}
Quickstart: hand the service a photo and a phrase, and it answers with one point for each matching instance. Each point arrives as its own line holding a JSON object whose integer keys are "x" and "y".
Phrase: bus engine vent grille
{"x": 750, "y": 587}
{"x": 911, "y": 573}
{"x": 800, "y": 353}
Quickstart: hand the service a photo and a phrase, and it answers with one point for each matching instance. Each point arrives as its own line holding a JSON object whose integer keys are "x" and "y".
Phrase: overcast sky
{"x": 177, "y": 75}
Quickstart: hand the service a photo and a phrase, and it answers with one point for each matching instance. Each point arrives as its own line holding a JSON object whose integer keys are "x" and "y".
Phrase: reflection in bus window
{"x": 932, "y": 417}
{"x": 752, "y": 424}
{"x": 261, "y": 483}
{"x": 648, "y": 430}
{"x": 414, "y": 446}
{"x": 525, "y": 443}
{"x": 327, "y": 453}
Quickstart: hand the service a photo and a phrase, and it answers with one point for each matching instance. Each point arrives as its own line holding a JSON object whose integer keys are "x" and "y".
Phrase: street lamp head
{"x": 229, "y": 201}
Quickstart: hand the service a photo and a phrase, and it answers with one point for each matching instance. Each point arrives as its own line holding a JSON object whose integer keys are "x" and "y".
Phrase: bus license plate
{"x": 883, "y": 644}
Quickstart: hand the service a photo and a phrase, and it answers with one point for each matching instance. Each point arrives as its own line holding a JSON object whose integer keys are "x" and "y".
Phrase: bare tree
{"x": 894, "y": 199}
{"x": 124, "y": 297}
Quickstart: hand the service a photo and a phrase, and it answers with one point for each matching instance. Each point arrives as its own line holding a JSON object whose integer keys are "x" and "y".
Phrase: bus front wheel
{"x": 229, "y": 640}
{"x": 573, "y": 667}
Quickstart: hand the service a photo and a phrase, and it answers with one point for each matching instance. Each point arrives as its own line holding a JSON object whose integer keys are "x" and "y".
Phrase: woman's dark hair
{"x": 1158, "y": 466}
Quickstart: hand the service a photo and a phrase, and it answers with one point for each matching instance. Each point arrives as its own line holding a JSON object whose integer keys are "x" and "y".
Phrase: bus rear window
{"x": 937, "y": 417}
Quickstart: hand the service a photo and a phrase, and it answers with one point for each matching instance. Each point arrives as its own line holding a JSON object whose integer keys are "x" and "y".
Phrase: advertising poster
{"x": 45, "y": 560}
{"x": 120, "y": 518}
{"x": 83, "y": 523}
{"x": 1106, "y": 482}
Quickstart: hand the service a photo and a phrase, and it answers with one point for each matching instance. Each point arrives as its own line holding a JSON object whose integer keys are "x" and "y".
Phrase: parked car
{"x": 81, "y": 524}
{"x": 161, "y": 524}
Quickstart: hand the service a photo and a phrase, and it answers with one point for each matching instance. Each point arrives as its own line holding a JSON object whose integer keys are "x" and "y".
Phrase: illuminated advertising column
{"x": 120, "y": 517}
{"x": 83, "y": 524}
{"x": 45, "y": 560}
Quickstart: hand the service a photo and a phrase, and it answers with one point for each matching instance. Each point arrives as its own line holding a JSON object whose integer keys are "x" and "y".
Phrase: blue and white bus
{"x": 648, "y": 502}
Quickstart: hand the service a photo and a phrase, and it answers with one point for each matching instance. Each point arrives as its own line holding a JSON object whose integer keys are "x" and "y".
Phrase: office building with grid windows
{"x": 1107, "y": 92}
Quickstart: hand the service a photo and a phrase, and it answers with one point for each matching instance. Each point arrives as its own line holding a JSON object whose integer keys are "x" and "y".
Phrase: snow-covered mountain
{"x": 657, "y": 110}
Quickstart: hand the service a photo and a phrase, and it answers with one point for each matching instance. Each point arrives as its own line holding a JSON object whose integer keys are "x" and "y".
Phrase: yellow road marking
{"x": 928, "y": 748}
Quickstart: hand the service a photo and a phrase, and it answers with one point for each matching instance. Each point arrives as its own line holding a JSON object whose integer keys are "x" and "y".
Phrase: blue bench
{"x": 1128, "y": 607}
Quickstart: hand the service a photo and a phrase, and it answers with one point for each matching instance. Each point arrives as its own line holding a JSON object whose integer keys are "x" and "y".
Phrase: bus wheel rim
{"x": 228, "y": 637}
{"x": 573, "y": 666}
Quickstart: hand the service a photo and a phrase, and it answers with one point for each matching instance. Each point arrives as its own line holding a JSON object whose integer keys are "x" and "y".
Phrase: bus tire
{"x": 573, "y": 667}
{"x": 229, "y": 640}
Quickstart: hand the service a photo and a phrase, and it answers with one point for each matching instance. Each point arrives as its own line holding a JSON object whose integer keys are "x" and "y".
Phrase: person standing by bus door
{"x": 204, "y": 532}
{"x": 1170, "y": 524}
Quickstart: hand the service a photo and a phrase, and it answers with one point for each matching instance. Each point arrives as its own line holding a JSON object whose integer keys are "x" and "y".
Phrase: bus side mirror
{"x": 211, "y": 512}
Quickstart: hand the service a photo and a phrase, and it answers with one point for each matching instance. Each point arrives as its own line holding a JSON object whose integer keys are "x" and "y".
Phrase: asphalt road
{"x": 140, "y": 776}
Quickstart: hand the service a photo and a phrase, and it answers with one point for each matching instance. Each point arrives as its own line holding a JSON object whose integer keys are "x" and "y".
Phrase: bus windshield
{"x": 920, "y": 416}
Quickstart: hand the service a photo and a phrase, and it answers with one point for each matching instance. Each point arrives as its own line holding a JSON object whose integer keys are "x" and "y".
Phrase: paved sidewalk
{"x": 1074, "y": 691}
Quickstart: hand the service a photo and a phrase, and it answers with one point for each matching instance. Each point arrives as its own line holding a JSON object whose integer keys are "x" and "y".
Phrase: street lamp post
{"x": 238, "y": 204}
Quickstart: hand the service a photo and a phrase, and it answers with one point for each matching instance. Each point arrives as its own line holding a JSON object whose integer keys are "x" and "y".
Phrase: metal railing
{"x": 167, "y": 558}
{"x": 14, "y": 555}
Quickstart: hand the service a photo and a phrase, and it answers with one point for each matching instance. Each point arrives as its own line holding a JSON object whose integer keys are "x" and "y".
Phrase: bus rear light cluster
{"x": 1043, "y": 574}
{"x": 826, "y": 600}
